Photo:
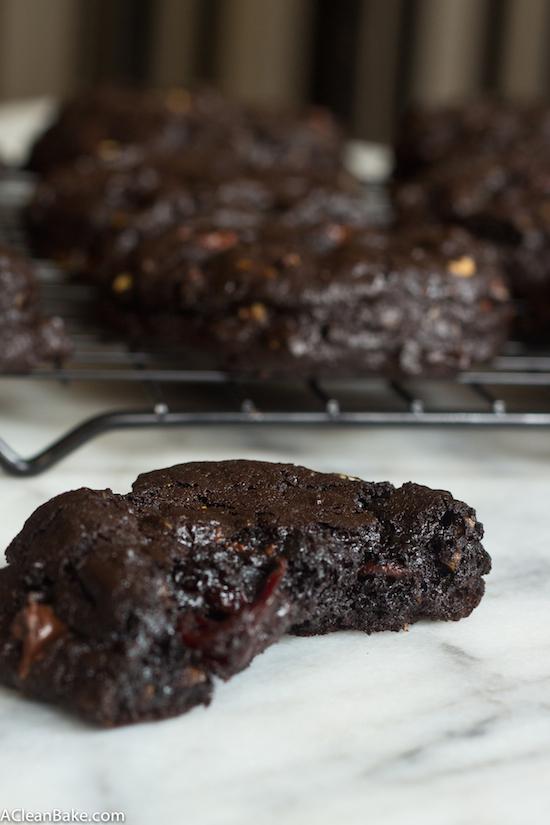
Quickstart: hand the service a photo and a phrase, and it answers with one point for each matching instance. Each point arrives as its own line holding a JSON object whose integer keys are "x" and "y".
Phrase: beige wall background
{"x": 430, "y": 50}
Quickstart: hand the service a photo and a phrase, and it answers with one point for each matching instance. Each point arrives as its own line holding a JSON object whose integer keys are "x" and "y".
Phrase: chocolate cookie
{"x": 75, "y": 209}
{"x": 108, "y": 122}
{"x": 27, "y": 339}
{"x": 105, "y": 122}
{"x": 319, "y": 298}
{"x": 430, "y": 135}
{"x": 503, "y": 197}
{"x": 93, "y": 208}
{"x": 125, "y": 608}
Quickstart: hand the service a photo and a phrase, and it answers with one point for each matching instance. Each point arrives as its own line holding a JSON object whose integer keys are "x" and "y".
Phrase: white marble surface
{"x": 447, "y": 723}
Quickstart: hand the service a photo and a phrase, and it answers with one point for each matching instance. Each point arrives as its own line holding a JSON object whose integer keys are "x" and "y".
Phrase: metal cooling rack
{"x": 514, "y": 391}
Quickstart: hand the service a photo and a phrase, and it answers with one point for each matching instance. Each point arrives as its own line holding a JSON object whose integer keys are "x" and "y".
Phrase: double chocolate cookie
{"x": 27, "y": 339}
{"x": 504, "y": 198}
{"x": 315, "y": 298}
{"x": 429, "y": 136}
{"x": 92, "y": 208}
{"x": 125, "y": 608}
{"x": 108, "y": 122}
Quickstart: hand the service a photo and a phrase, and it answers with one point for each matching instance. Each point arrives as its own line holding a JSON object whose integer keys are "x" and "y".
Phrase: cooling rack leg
{"x": 16, "y": 465}
{"x": 11, "y": 462}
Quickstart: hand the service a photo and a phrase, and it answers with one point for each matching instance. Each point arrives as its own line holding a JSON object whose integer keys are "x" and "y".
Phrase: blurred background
{"x": 364, "y": 58}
